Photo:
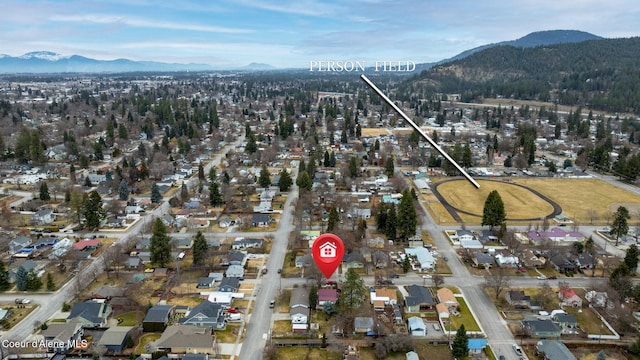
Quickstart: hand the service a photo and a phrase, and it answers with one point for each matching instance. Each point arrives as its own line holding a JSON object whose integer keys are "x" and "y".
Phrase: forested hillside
{"x": 602, "y": 74}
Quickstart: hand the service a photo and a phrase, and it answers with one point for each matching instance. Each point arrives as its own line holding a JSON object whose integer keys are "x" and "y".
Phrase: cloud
{"x": 146, "y": 23}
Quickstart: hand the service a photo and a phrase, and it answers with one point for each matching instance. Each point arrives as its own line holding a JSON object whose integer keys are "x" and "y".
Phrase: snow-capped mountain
{"x": 43, "y": 55}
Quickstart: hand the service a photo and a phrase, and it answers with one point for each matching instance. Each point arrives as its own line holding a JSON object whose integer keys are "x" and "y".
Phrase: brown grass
{"x": 296, "y": 353}
{"x": 374, "y": 131}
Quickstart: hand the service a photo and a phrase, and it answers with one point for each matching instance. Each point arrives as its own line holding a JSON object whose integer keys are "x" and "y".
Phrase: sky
{"x": 294, "y": 33}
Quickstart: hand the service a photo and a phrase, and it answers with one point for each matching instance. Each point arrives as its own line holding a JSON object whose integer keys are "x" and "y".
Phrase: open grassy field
{"x": 586, "y": 201}
{"x": 580, "y": 198}
{"x": 374, "y": 131}
{"x": 519, "y": 203}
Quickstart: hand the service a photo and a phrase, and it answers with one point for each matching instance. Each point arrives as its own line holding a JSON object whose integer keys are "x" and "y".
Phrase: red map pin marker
{"x": 327, "y": 251}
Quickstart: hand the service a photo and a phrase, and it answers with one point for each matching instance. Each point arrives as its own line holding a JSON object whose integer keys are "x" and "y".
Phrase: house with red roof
{"x": 568, "y": 297}
{"x": 87, "y": 244}
{"x": 327, "y": 296}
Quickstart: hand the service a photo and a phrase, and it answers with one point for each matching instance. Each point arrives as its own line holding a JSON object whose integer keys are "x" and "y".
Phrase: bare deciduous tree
{"x": 498, "y": 281}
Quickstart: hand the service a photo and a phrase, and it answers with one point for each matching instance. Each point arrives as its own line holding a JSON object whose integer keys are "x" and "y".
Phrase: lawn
{"x": 432, "y": 352}
{"x": 519, "y": 203}
{"x": 283, "y": 301}
{"x": 297, "y": 352}
{"x": 580, "y": 197}
{"x": 17, "y": 314}
{"x": 465, "y": 318}
{"x": 228, "y": 335}
{"x": 144, "y": 340}
{"x": 132, "y": 318}
{"x": 281, "y": 327}
{"x": 589, "y": 321}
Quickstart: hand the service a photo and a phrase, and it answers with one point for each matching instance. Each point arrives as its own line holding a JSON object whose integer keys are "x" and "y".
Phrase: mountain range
{"x": 50, "y": 62}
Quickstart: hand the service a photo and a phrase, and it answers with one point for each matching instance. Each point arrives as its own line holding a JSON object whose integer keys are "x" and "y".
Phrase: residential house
{"x": 43, "y": 217}
{"x": 562, "y": 264}
{"x": 443, "y": 311}
{"x": 597, "y": 299}
{"x": 205, "y": 314}
{"x": 476, "y": 346}
{"x": 143, "y": 244}
{"x": 412, "y": 355}
{"x": 133, "y": 262}
{"x": 87, "y": 245}
{"x": 260, "y": 220}
{"x": 518, "y": 299}
{"x": 556, "y": 234}
{"x": 483, "y": 260}
{"x": 90, "y": 314}
{"x": 357, "y": 213}
{"x": 45, "y": 241}
{"x": 236, "y": 271}
{"x": 299, "y": 309}
{"x": 425, "y": 259}
{"x": 236, "y": 258}
{"x": 567, "y": 323}
{"x": 183, "y": 243}
{"x": 381, "y": 297}
{"x": 61, "y": 337}
{"x": 4, "y": 313}
{"x": 530, "y": 259}
{"x": 353, "y": 260}
{"x": 397, "y": 315}
{"x": 506, "y": 259}
{"x": 157, "y": 318}
{"x": 419, "y": 299}
{"x": 229, "y": 284}
{"x": 20, "y": 242}
{"x": 27, "y": 265}
{"x": 543, "y": 329}
{"x": 417, "y": 326}
{"x": 488, "y": 237}
{"x": 586, "y": 261}
{"x": 184, "y": 339}
{"x": 205, "y": 282}
{"x": 568, "y": 297}
{"x": 245, "y": 243}
{"x": 303, "y": 260}
{"x": 114, "y": 339}
{"x": 327, "y": 296}
{"x": 363, "y": 325}
{"x": 464, "y": 235}
{"x": 554, "y": 350}
{"x": 446, "y": 297}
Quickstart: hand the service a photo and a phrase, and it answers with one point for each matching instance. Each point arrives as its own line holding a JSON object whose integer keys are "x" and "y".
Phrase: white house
{"x": 235, "y": 271}
{"x": 425, "y": 259}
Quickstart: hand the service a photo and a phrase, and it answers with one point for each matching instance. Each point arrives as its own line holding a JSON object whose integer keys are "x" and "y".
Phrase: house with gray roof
{"x": 236, "y": 271}
{"x": 544, "y": 329}
{"x": 260, "y": 220}
{"x": 236, "y": 258}
{"x": 43, "y": 217}
{"x": 61, "y": 336}
{"x": 417, "y": 326}
{"x": 20, "y": 242}
{"x": 114, "y": 339}
{"x": 483, "y": 260}
{"x": 157, "y": 318}
{"x": 229, "y": 284}
{"x": 363, "y": 325}
{"x": 183, "y": 339}
{"x": 133, "y": 262}
{"x": 554, "y": 350}
{"x": 205, "y": 314}
{"x": 245, "y": 243}
{"x": 90, "y": 314}
{"x": 567, "y": 323}
{"x": 418, "y": 299}
{"x": 205, "y": 282}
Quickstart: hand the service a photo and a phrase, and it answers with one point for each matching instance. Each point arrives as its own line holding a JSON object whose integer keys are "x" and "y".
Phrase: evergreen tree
{"x": 92, "y": 210}
{"x": 51, "y": 286}
{"x": 264, "y": 180}
{"x": 406, "y": 264}
{"x": 313, "y": 297}
{"x": 44, "y": 192}
{"x": 460, "y": 345}
{"x": 33, "y": 281}
{"x": 184, "y": 192}
{"x": 200, "y": 249}
{"x": 304, "y": 182}
{"x": 123, "y": 191}
{"x": 327, "y": 159}
{"x": 392, "y": 223}
{"x": 332, "y": 159}
{"x": 353, "y": 292}
{"x": 215, "y": 198}
{"x": 407, "y": 217}
{"x": 389, "y": 168}
{"x": 251, "y": 146}
{"x": 21, "y": 279}
{"x": 631, "y": 258}
{"x": 156, "y": 197}
{"x": 353, "y": 167}
{"x": 619, "y": 226}
{"x": 493, "y": 213}
{"x": 201, "y": 175}
{"x": 159, "y": 245}
{"x": 334, "y": 219}
{"x": 285, "y": 181}
{"x": 5, "y": 283}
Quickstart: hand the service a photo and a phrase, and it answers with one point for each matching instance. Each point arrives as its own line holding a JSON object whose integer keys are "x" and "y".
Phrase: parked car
{"x": 541, "y": 277}
{"x": 427, "y": 276}
{"x": 232, "y": 310}
{"x": 552, "y": 277}
{"x": 386, "y": 282}
{"x": 279, "y": 271}
{"x": 264, "y": 271}
{"x": 272, "y": 304}
{"x": 517, "y": 349}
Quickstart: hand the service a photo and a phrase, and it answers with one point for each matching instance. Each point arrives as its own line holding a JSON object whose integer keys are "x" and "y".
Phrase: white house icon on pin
{"x": 328, "y": 250}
